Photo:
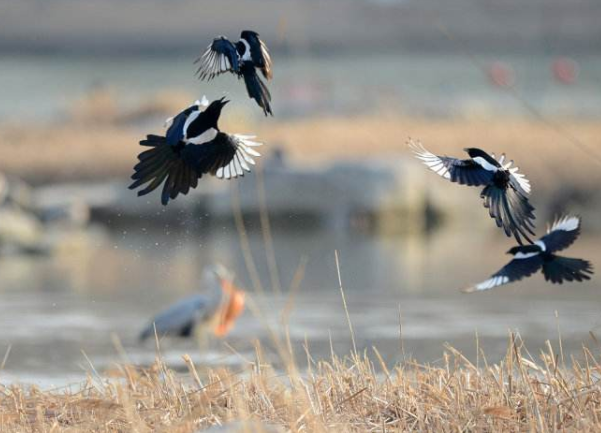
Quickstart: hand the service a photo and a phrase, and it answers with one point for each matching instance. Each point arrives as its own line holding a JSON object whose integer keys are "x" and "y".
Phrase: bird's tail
{"x": 257, "y": 89}
{"x": 561, "y": 269}
{"x": 511, "y": 211}
{"x": 162, "y": 163}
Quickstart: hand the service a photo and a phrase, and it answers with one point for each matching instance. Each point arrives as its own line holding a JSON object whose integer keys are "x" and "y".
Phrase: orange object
{"x": 231, "y": 309}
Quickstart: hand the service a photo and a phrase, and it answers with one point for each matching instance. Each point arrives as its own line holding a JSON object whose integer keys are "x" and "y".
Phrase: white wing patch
{"x": 246, "y": 56}
{"x": 213, "y": 63}
{"x": 432, "y": 161}
{"x": 202, "y": 104}
{"x": 519, "y": 177}
{"x": 566, "y": 223}
{"x": 205, "y": 137}
{"x": 491, "y": 283}
{"x": 243, "y": 158}
{"x": 521, "y": 255}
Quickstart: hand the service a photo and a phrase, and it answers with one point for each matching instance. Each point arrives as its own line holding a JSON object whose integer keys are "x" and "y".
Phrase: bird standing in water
{"x": 216, "y": 311}
{"x": 243, "y": 59}
{"x": 192, "y": 147}
{"x": 528, "y": 259}
{"x": 505, "y": 190}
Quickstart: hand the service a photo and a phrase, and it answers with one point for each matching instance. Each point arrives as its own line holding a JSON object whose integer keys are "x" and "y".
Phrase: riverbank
{"x": 355, "y": 393}
{"x": 100, "y": 149}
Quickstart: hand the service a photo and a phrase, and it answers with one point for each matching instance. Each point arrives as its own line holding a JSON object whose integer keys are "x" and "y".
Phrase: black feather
{"x": 256, "y": 89}
{"x": 559, "y": 269}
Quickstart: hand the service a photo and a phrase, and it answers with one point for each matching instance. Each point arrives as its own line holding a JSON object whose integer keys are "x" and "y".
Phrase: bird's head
{"x": 248, "y": 34}
{"x": 474, "y": 152}
{"x": 213, "y": 111}
{"x": 513, "y": 251}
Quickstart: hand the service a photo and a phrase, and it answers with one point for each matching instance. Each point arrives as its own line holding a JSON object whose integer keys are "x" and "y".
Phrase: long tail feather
{"x": 561, "y": 269}
{"x": 511, "y": 211}
{"x": 160, "y": 164}
{"x": 256, "y": 89}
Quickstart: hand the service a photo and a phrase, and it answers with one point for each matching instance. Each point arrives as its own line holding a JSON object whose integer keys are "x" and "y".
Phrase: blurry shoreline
{"x": 97, "y": 147}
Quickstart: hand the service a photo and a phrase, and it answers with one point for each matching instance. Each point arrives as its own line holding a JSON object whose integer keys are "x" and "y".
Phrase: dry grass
{"x": 96, "y": 147}
{"x": 357, "y": 393}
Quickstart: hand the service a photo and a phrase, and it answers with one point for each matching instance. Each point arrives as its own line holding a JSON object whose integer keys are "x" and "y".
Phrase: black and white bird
{"x": 505, "y": 190}
{"x": 242, "y": 59}
{"x": 528, "y": 259}
{"x": 192, "y": 147}
{"x": 214, "y": 311}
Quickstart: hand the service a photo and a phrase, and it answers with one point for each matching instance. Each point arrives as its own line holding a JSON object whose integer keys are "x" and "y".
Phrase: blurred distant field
{"x": 86, "y": 149}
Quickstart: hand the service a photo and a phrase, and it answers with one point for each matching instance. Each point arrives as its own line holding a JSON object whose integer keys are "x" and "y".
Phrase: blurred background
{"x": 85, "y": 264}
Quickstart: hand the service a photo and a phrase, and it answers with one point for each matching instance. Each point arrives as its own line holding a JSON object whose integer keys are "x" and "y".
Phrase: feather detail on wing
{"x": 242, "y": 158}
{"x": 511, "y": 211}
{"x": 515, "y": 270}
{"x": 220, "y": 57}
{"x": 266, "y": 69}
{"x": 464, "y": 172}
{"x": 564, "y": 231}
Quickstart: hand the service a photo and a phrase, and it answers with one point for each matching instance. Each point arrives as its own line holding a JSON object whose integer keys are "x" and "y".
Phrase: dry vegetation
{"x": 358, "y": 393}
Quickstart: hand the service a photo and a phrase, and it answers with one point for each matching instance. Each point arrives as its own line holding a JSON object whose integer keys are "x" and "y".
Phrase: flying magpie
{"x": 243, "y": 59}
{"x": 192, "y": 146}
{"x": 505, "y": 190}
{"x": 528, "y": 259}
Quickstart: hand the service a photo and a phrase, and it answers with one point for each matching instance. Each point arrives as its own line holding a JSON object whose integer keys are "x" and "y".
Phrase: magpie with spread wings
{"x": 528, "y": 259}
{"x": 242, "y": 58}
{"x": 505, "y": 192}
{"x": 192, "y": 147}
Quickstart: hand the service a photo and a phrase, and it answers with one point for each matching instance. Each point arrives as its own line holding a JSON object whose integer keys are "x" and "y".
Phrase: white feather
{"x": 205, "y": 137}
{"x": 492, "y": 283}
{"x": 521, "y": 256}
{"x": 432, "y": 161}
{"x": 246, "y": 57}
{"x": 566, "y": 223}
{"x": 485, "y": 164}
{"x": 541, "y": 244}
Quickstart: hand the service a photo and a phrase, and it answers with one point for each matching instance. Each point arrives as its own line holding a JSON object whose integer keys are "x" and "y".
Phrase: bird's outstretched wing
{"x": 462, "y": 171}
{"x": 221, "y": 56}
{"x": 179, "y": 167}
{"x": 511, "y": 210}
{"x": 242, "y": 158}
{"x": 515, "y": 270}
{"x": 561, "y": 234}
{"x": 258, "y": 53}
{"x": 176, "y": 125}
